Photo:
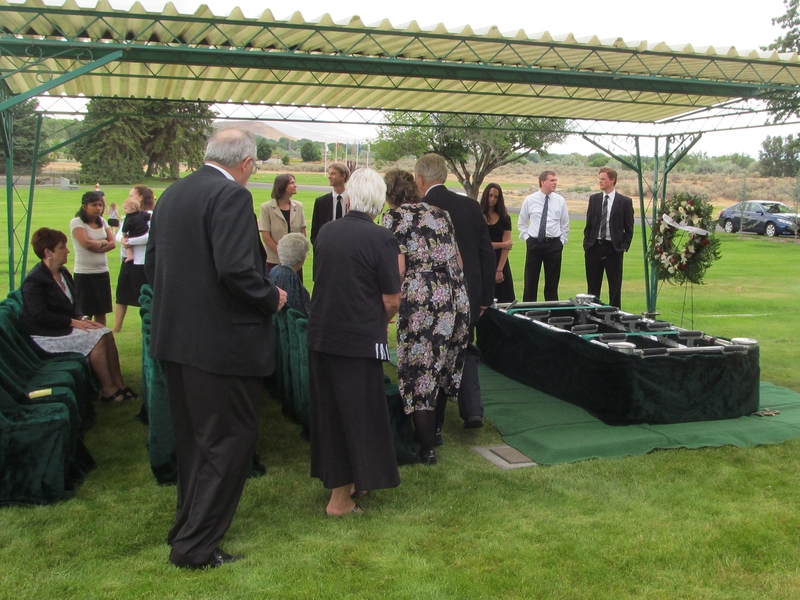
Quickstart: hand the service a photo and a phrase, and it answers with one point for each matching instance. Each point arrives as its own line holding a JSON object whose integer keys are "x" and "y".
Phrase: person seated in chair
{"x": 51, "y": 317}
{"x": 292, "y": 251}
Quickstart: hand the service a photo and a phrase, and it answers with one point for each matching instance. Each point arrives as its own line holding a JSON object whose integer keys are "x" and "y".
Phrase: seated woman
{"x": 50, "y": 316}
{"x": 292, "y": 251}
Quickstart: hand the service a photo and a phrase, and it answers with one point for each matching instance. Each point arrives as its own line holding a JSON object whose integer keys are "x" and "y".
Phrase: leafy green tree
{"x": 285, "y": 160}
{"x": 309, "y": 152}
{"x": 284, "y": 143}
{"x": 785, "y": 105}
{"x": 23, "y": 134}
{"x": 779, "y": 157}
{"x": 263, "y": 148}
{"x": 472, "y": 148}
{"x": 597, "y": 160}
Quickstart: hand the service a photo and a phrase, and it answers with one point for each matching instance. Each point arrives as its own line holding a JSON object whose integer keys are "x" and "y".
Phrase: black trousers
{"x": 547, "y": 253}
{"x": 215, "y": 423}
{"x": 601, "y": 257}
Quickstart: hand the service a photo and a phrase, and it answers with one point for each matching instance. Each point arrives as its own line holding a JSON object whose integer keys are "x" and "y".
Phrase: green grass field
{"x": 716, "y": 523}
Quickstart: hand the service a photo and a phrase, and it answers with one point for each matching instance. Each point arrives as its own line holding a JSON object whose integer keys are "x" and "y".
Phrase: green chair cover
{"x": 40, "y": 461}
{"x": 298, "y": 330}
{"x": 160, "y": 438}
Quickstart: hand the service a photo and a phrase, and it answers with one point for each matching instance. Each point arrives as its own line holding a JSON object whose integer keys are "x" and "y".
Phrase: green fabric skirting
{"x": 620, "y": 388}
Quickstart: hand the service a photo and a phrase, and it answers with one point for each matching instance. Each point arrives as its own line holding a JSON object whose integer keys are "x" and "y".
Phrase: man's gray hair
{"x": 432, "y": 167}
{"x": 292, "y": 248}
{"x": 229, "y": 147}
{"x": 367, "y": 192}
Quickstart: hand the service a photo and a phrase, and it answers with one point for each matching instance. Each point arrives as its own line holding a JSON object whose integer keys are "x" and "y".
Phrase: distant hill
{"x": 255, "y": 127}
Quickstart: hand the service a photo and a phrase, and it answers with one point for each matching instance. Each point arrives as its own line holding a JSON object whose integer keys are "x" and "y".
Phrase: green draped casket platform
{"x": 622, "y": 368}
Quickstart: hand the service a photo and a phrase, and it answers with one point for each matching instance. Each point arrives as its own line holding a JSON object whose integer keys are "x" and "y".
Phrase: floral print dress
{"x": 433, "y": 321}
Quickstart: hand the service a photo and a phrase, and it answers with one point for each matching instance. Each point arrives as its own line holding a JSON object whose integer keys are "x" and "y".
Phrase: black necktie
{"x": 604, "y": 218}
{"x": 338, "y": 207}
{"x": 543, "y": 221}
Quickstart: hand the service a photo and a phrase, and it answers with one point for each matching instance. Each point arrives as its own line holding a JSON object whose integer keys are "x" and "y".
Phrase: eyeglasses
{"x": 255, "y": 165}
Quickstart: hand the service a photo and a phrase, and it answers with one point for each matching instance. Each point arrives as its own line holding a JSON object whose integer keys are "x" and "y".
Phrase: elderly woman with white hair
{"x": 292, "y": 251}
{"x": 356, "y": 294}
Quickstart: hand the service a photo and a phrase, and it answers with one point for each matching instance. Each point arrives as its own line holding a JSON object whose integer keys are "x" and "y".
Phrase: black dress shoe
{"x": 437, "y": 440}
{"x": 218, "y": 558}
{"x": 473, "y": 423}
{"x": 428, "y": 458}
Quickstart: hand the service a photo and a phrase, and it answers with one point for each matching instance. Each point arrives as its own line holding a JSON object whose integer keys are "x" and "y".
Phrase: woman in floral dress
{"x": 433, "y": 322}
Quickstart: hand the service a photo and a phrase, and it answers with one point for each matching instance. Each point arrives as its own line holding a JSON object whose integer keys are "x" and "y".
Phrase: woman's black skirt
{"x": 93, "y": 293}
{"x": 130, "y": 282}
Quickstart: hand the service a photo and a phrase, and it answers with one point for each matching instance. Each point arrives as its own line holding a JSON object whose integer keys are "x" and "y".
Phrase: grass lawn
{"x": 716, "y": 523}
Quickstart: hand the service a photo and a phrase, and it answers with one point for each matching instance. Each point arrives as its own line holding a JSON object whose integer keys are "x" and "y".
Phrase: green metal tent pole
{"x": 650, "y": 300}
{"x": 7, "y": 125}
{"x": 29, "y": 216}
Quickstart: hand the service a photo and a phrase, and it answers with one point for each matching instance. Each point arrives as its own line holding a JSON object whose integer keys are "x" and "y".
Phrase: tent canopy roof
{"x": 104, "y": 52}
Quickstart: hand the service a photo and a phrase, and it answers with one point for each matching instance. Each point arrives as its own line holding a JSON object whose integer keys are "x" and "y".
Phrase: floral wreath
{"x": 682, "y": 243}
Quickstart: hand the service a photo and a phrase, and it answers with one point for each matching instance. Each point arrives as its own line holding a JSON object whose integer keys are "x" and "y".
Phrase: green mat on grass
{"x": 551, "y": 431}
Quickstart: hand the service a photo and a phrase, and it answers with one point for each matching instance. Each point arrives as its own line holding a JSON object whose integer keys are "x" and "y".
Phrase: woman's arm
{"x": 269, "y": 242}
{"x": 501, "y": 263}
{"x": 99, "y": 246}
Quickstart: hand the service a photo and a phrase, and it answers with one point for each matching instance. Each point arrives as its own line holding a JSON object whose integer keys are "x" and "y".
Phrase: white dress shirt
{"x": 531, "y": 213}
{"x": 610, "y": 195}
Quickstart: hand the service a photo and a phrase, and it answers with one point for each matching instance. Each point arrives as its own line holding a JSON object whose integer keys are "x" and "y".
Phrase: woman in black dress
{"x": 494, "y": 211}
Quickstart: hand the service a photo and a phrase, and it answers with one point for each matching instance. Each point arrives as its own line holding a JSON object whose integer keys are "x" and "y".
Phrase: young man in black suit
{"x": 477, "y": 255}
{"x": 607, "y": 236}
{"x": 212, "y": 328}
{"x": 332, "y": 205}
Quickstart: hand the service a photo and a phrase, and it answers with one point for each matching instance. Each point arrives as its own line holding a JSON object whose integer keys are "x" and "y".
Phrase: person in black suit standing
{"x": 212, "y": 328}
{"x": 332, "y": 205}
{"x": 607, "y": 236}
{"x": 478, "y": 257}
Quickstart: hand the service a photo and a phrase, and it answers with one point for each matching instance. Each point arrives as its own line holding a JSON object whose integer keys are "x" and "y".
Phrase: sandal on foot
{"x": 116, "y": 397}
{"x": 128, "y": 393}
{"x": 357, "y": 510}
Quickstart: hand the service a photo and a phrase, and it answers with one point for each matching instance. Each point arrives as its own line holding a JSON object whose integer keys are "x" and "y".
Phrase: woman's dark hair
{"x": 148, "y": 197}
{"x": 280, "y": 184}
{"x": 46, "y": 239}
{"x": 500, "y": 207}
{"x": 91, "y": 198}
{"x": 401, "y": 188}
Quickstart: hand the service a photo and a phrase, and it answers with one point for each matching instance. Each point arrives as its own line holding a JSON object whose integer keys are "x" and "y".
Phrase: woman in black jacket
{"x": 50, "y": 316}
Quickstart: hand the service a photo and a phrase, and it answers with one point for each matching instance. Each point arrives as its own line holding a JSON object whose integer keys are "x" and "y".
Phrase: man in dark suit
{"x": 212, "y": 328}
{"x": 607, "y": 236}
{"x": 477, "y": 255}
{"x": 332, "y": 205}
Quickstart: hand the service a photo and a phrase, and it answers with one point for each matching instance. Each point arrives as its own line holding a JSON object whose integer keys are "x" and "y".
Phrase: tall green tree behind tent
{"x": 785, "y": 105}
{"x": 153, "y": 134}
{"x": 472, "y": 148}
{"x": 24, "y": 136}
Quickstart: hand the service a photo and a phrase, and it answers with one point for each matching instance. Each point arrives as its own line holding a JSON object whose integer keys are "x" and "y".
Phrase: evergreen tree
{"x": 157, "y": 134}
{"x": 263, "y": 148}
{"x": 23, "y": 133}
{"x": 309, "y": 152}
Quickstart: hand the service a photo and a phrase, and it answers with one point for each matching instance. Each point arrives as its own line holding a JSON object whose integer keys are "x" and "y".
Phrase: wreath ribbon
{"x": 672, "y": 223}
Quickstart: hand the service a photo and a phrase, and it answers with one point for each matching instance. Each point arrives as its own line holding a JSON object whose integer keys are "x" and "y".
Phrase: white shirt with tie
{"x": 610, "y": 195}
{"x": 557, "y": 217}
{"x": 336, "y": 199}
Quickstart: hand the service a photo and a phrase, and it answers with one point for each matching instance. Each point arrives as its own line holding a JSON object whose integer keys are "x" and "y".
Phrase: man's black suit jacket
{"x": 620, "y": 222}
{"x": 212, "y": 299}
{"x": 323, "y": 213}
{"x": 474, "y": 244}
